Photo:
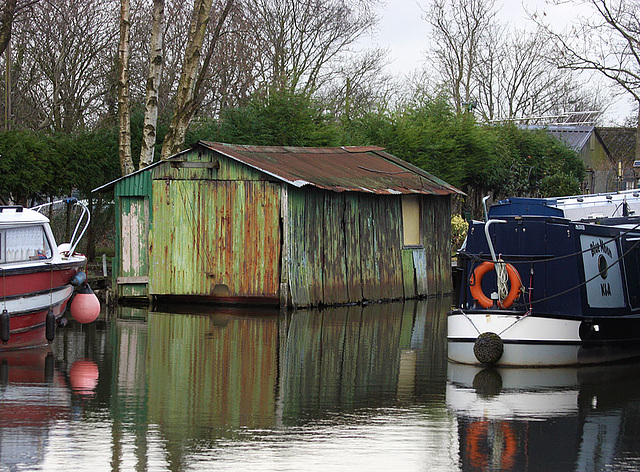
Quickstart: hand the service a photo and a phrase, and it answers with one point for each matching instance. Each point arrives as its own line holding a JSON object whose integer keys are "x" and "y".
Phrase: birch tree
{"x": 124, "y": 111}
{"x": 191, "y": 79}
{"x": 156, "y": 59}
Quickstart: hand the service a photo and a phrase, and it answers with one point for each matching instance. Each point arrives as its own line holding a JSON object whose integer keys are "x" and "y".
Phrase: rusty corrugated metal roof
{"x": 365, "y": 169}
{"x": 355, "y": 169}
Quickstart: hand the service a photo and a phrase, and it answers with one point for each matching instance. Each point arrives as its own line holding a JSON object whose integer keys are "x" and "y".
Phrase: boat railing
{"x": 77, "y": 232}
{"x": 488, "y": 236}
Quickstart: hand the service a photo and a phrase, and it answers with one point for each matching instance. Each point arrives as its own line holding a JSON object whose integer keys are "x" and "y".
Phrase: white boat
{"x": 38, "y": 277}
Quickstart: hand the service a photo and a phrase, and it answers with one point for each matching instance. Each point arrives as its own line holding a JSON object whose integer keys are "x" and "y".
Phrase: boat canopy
{"x": 12, "y": 215}
{"x": 575, "y": 208}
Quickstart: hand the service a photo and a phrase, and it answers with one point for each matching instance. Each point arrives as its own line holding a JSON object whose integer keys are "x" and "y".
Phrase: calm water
{"x": 343, "y": 389}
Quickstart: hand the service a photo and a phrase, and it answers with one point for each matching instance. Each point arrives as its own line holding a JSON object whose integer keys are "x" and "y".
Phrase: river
{"x": 352, "y": 388}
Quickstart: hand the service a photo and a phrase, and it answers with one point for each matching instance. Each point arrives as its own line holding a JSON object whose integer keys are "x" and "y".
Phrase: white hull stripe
{"x": 514, "y": 329}
{"x": 36, "y": 302}
{"x": 32, "y": 294}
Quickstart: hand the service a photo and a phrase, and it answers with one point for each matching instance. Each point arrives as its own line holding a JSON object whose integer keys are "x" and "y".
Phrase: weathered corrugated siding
{"x": 222, "y": 167}
{"x": 218, "y": 238}
{"x": 133, "y": 271}
{"x": 380, "y": 243}
{"x": 436, "y": 214}
{"x": 138, "y": 184}
{"x": 304, "y": 243}
{"x": 351, "y": 225}
{"x": 343, "y": 247}
{"x": 132, "y": 264}
{"x": 347, "y": 247}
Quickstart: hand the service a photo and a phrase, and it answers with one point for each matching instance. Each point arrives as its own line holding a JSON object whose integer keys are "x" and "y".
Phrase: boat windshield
{"x": 25, "y": 243}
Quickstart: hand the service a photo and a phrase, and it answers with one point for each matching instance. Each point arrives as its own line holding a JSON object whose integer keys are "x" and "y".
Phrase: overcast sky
{"x": 404, "y": 32}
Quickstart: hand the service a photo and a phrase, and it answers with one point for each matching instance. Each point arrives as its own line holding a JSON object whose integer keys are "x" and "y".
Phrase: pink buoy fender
{"x": 83, "y": 376}
{"x": 85, "y": 306}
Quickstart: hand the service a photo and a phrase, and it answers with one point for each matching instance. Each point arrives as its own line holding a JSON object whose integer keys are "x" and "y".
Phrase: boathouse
{"x": 282, "y": 225}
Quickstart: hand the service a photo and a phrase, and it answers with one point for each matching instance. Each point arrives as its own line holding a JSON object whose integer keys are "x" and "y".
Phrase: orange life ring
{"x": 477, "y": 442}
{"x": 475, "y": 285}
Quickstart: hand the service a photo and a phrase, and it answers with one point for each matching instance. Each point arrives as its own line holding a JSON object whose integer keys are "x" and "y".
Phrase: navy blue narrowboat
{"x": 549, "y": 282}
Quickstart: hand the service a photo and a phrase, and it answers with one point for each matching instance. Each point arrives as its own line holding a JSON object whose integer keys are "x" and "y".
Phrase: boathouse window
{"x": 24, "y": 244}
{"x": 411, "y": 220}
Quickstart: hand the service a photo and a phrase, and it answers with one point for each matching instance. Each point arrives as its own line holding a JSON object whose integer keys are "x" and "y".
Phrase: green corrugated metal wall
{"x": 131, "y": 264}
{"x": 218, "y": 231}
{"x": 215, "y": 238}
{"x": 346, "y": 248}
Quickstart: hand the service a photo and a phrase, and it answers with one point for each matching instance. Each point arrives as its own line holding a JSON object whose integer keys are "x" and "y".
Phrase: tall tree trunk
{"x": 191, "y": 109}
{"x": 6, "y": 23}
{"x": 7, "y": 87}
{"x": 638, "y": 133}
{"x": 156, "y": 60}
{"x": 124, "y": 113}
{"x": 175, "y": 136}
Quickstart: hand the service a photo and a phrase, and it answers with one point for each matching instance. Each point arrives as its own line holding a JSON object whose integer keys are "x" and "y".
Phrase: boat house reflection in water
{"x": 248, "y": 372}
{"x": 212, "y": 376}
{"x": 339, "y": 388}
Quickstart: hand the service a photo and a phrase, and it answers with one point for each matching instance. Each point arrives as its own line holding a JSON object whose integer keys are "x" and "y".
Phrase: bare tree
{"x": 6, "y": 22}
{"x": 153, "y": 82}
{"x": 232, "y": 76}
{"x": 301, "y": 40}
{"x": 499, "y": 72}
{"x": 359, "y": 86}
{"x": 9, "y": 10}
{"x": 64, "y": 63}
{"x": 459, "y": 33}
{"x": 517, "y": 77}
{"x": 608, "y": 43}
{"x": 124, "y": 107}
{"x": 177, "y": 21}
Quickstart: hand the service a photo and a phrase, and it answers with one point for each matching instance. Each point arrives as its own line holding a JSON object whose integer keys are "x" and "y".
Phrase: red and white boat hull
{"x": 29, "y": 294}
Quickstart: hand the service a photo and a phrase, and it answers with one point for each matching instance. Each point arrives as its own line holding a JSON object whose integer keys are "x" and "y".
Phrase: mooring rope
{"x": 500, "y": 267}
{"x": 470, "y": 321}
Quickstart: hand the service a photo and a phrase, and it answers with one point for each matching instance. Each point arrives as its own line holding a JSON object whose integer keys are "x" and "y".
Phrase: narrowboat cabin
{"x": 550, "y": 282}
